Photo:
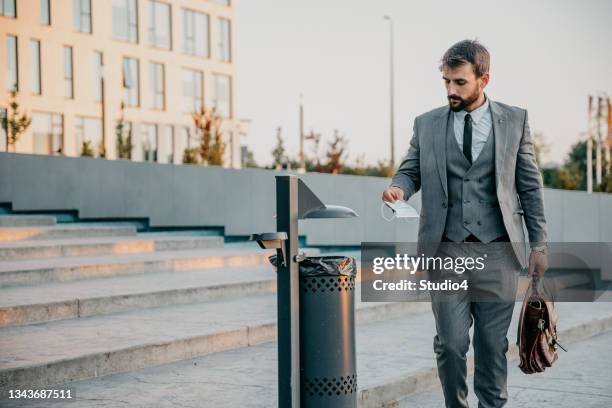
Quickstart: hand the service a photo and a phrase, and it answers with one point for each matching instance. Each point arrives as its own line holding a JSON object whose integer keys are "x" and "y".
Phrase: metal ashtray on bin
{"x": 328, "y": 373}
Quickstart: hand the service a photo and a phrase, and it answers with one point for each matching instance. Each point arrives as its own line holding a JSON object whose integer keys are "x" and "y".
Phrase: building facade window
{"x": 131, "y": 82}
{"x": 195, "y": 33}
{"x": 45, "y": 12}
{"x": 182, "y": 141}
{"x": 223, "y": 2}
{"x": 222, "y": 95}
{"x": 193, "y": 90}
{"x": 98, "y": 67}
{"x": 48, "y": 132}
{"x": 166, "y": 141}
{"x": 68, "y": 73}
{"x": 148, "y": 142}
{"x": 88, "y": 135}
{"x": 12, "y": 77}
{"x": 160, "y": 26}
{"x": 35, "y": 78}
{"x": 225, "y": 46}
{"x": 157, "y": 88}
{"x": 81, "y": 15}
{"x": 8, "y": 8}
{"x": 125, "y": 20}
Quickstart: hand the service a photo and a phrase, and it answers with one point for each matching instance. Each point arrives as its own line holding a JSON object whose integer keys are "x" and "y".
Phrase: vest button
{"x": 478, "y": 222}
{"x": 467, "y": 179}
{"x": 443, "y": 205}
{"x": 466, "y": 222}
{"x": 466, "y": 201}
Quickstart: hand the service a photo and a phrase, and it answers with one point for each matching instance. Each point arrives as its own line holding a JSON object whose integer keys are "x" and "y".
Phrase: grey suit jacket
{"x": 518, "y": 180}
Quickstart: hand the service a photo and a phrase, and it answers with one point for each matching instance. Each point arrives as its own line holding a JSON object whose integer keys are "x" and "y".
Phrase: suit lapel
{"x": 498, "y": 116}
{"x": 439, "y": 139}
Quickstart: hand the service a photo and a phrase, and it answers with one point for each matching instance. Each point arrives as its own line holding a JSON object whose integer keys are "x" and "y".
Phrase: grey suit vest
{"x": 472, "y": 197}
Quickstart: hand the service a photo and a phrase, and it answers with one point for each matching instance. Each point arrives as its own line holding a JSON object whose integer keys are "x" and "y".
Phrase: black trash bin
{"x": 328, "y": 376}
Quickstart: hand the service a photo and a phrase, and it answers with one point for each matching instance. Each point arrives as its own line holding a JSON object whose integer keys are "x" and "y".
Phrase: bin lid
{"x": 326, "y": 265}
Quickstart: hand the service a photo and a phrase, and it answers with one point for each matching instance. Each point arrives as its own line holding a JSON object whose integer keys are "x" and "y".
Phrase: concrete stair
{"x": 26, "y": 220}
{"x": 70, "y": 247}
{"x": 394, "y": 360}
{"x": 176, "y": 319}
{"x": 64, "y": 269}
{"x": 75, "y": 230}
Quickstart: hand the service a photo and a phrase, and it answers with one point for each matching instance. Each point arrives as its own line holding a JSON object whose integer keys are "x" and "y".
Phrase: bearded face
{"x": 463, "y": 88}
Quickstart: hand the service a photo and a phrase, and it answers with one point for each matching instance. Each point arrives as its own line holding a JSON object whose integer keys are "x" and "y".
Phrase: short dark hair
{"x": 467, "y": 51}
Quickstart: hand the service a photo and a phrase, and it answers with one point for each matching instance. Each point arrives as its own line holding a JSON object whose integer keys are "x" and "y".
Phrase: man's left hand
{"x": 538, "y": 263}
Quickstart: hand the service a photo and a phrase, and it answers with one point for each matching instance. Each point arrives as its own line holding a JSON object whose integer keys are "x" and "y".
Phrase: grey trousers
{"x": 487, "y": 304}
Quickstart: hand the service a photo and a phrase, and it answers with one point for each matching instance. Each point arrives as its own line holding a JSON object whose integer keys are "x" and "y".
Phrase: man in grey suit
{"x": 474, "y": 162}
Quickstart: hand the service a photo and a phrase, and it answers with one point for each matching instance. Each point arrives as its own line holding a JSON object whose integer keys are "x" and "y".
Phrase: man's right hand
{"x": 392, "y": 194}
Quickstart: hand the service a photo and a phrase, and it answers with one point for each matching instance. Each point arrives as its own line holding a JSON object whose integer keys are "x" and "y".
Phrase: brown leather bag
{"x": 537, "y": 331}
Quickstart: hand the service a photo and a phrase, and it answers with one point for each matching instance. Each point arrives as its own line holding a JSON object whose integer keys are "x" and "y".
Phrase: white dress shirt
{"x": 482, "y": 122}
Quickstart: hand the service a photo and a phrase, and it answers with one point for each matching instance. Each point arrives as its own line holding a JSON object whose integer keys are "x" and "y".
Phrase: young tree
{"x": 279, "y": 151}
{"x": 315, "y": 163}
{"x": 540, "y": 146}
{"x": 212, "y": 145}
{"x": 190, "y": 155}
{"x": 86, "y": 150}
{"x": 335, "y": 153}
{"x": 124, "y": 142}
{"x": 249, "y": 160}
{"x": 14, "y": 123}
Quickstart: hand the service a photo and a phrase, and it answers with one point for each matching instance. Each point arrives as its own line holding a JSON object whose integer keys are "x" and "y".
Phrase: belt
{"x": 474, "y": 238}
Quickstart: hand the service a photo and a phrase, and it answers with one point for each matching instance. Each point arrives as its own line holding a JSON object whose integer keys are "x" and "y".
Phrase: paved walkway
{"x": 581, "y": 378}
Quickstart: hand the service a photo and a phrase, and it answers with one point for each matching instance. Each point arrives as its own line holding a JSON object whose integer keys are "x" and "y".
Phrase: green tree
{"x": 249, "y": 160}
{"x": 540, "y": 147}
{"x": 123, "y": 132}
{"x": 190, "y": 155}
{"x": 278, "y": 154}
{"x": 14, "y": 122}
{"x": 86, "y": 150}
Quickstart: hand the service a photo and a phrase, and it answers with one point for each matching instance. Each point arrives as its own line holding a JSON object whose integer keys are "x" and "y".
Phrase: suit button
{"x": 478, "y": 222}
{"x": 443, "y": 205}
{"x": 467, "y": 179}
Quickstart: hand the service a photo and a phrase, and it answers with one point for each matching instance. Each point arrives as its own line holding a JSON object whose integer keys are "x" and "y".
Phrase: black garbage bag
{"x": 328, "y": 265}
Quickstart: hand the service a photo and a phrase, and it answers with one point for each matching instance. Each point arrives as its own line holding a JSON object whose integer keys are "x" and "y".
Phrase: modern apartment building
{"x": 75, "y": 63}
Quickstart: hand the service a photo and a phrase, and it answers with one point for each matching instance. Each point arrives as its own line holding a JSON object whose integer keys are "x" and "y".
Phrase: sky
{"x": 547, "y": 56}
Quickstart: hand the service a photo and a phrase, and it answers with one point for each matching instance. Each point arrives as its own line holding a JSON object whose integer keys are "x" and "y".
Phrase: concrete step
{"x": 38, "y": 271}
{"x": 26, "y": 220}
{"x": 142, "y": 243}
{"x": 56, "y": 352}
{"x": 578, "y": 379}
{"x": 394, "y": 360}
{"x": 76, "y": 230}
{"x": 77, "y": 299}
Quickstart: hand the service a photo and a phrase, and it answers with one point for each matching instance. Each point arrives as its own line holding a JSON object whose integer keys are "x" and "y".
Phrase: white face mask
{"x": 401, "y": 209}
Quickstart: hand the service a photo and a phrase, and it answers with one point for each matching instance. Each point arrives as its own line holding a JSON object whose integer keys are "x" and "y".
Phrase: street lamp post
{"x": 391, "y": 91}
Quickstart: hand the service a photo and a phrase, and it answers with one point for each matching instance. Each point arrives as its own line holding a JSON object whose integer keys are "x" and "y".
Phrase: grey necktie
{"x": 467, "y": 138}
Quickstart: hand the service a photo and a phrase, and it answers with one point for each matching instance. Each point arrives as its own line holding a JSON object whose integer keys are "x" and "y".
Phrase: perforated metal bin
{"x": 328, "y": 376}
